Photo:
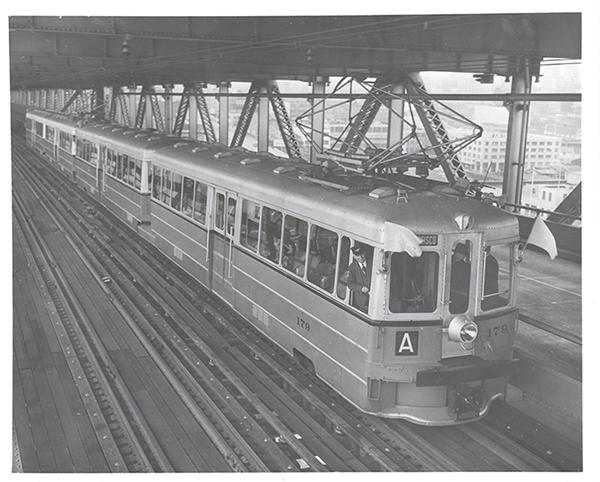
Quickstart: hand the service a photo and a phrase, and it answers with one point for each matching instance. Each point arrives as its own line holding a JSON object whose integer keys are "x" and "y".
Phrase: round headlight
{"x": 462, "y": 329}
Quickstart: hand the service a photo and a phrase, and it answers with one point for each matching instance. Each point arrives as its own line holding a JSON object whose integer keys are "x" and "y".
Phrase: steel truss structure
{"x": 195, "y": 91}
{"x": 271, "y": 89}
{"x": 354, "y": 151}
{"x": 148, "y": 92}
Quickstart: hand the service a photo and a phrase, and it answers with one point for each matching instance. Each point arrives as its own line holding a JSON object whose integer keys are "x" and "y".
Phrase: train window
{"x": 322, "y": 253}
{"x": 176, "y": 192}
{"x": 342, "y": 284}
{"x": 295, "y": 232}
{"x": 81, "y": 149}
{"x": 250, "y": 224}
{"x": 50, "y": 134}
{"x": 187, "y": 202}
{"x": 28, "y": 123}
{"x": 460, "y": 277}
{"x": 270, "y": 234}
{"x": 126, "y": 169}
{"x": 200, "y": 202}
{"x": 111, "y": 163}
{"x": 359, "y": 276}
{"x": 39, "y": 129}
{"x": 231, "y": 205}
{"x": 156, "y": 182}
{"x": 123, "y": 172}
{"x": 413, "y": 283}
{"x": 220, "y": 212}
{"x": 94, "y": 154}
{"x": 64, "y": 140}
{"x": 119, "y": 173}
{"x": 131, "y": 175}
{"x": 497, "y": 270}
{"x": 165, "y": 195}
{"x": 138, "y": 174}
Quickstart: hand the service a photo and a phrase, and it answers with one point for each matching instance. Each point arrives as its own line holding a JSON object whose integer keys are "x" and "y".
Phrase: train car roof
{"x": 254, "y": 176}
{"x": 133, "y": 142}
{"x": 287, "y": 184}
{"x": 54, "y": 119}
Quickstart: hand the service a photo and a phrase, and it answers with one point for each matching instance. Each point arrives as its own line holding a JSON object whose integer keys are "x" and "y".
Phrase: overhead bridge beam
{"x": 270, "y": 90}
{"x": 513, "y": 97}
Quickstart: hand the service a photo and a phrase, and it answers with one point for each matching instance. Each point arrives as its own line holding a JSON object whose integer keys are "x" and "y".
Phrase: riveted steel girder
{"x": 87, "y": 51}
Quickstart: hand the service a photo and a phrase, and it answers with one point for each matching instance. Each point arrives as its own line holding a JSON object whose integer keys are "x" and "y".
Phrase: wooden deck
{"x": 53, "y": 431}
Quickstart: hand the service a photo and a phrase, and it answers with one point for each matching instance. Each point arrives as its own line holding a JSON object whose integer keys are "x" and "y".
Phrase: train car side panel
{"x": 123, "y": 201}
{"x": 183, "y": 241}
{"x": 86, "y": 175}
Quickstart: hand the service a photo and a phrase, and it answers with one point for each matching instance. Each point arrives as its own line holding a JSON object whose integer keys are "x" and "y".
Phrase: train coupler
{"x": 465, "y": 401}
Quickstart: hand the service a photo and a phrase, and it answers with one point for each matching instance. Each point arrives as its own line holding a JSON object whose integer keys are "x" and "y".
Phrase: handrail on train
{"x": 544, "y": 211}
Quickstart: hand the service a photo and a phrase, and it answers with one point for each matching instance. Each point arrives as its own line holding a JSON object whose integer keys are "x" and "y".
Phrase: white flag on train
{"x": 399, "y": 238}
{"x": 542, "y": 237}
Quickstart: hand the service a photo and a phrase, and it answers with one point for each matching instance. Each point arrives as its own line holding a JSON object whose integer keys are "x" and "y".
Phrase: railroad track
{"x": 225, "y": 437}
{"x": 256, "y": 383}
{"x": 124, "y": 438}
{"x": 314, "y": 435}
{"x": 556, "y": 452}
{"x": 542, "y": 325}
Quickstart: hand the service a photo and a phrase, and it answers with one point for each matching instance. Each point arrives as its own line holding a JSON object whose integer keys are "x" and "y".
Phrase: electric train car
{"x": 428, "y": 337}
{"x": 107, "y": 160}
{"x": 114, "y": 162}
{"x": 53, "y": 135}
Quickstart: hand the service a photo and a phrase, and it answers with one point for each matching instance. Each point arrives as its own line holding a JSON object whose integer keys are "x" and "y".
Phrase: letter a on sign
{"x": 407, "y": 343}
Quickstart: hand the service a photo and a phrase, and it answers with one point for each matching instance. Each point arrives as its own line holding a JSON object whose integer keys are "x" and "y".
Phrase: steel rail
{"x": 134, "y": 417}
{"x": 560, "y": 332}
{"x": 365, "y": 444}
{"x": 548, "y": 445}
{"x": 362, "y": 438}
{"x": 122, "y": 450}
{"x": 505, "y": 447}
{"x": 183, "y": 383}
{"x": 264, "y": 356}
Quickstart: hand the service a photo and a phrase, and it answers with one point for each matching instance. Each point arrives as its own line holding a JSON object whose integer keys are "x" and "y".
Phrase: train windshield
{"x": 414, "y": 283}
{"x": 497, "y": 270}
{"x": 460, "y": 277}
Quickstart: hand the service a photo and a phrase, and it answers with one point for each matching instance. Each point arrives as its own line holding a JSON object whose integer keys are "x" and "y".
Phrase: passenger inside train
{"x": 460, "y": 277}
{"x": 359, "y": 278}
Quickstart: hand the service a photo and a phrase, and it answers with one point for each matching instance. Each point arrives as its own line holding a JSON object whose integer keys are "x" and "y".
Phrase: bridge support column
{"x": 133, "y": 100}
{"x": 168, "y": 117}
{"x": 317, "y": 124}
{"x": 147, "y": 123}
{"x": 193, "y": 116}
{"x": 263, "y": 120}
{"x": 98, "y": 103}
{"x": 516, "y": 137}
{"x": 395, "y": 116}
{"x": 224, "y": 113}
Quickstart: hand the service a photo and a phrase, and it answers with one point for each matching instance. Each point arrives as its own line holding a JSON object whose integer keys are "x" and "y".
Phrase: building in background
{"x": 487, "y": 154}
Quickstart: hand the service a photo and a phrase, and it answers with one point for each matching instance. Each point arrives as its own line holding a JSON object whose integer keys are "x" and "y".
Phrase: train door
{"x": 462, "y": 272}
{"x": 224, "y": 208}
